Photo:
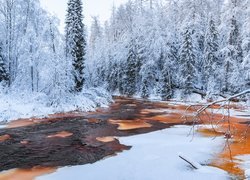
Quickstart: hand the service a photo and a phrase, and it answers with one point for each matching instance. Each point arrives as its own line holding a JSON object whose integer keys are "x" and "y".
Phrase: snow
{"x": 154, "y": 156}
{"x": 191, "y": 98}
{"x": 2, "y": 126}
{"x": 15, "y": 106}
{"x": 242, "y": 114}
{"x": 244, "y": 161}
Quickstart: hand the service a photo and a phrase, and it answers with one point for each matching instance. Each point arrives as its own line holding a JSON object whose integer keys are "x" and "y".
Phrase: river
{"x": 38, "y": 146}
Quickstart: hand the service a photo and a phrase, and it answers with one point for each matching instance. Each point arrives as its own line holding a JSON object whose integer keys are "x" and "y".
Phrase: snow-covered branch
{"x": 203, "y": 108}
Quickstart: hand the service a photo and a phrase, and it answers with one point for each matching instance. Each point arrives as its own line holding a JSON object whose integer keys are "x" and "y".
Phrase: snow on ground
{"x": 153, "y": 156}
{"x": 14, "y": 106}
{"x": 192, "y": 98}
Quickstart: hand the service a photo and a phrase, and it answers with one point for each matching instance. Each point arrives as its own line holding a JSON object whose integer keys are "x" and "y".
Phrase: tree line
{"x": 155, "y": 47}
{"x": 147, "y": 47}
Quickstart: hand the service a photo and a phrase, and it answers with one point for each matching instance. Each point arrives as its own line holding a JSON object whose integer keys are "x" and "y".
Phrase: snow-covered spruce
{"x": 75, "y": 43}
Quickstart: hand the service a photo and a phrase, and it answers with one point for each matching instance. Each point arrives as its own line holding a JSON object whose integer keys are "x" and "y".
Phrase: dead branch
{"x": 203, "y": 108}
{"x": 226, "y": 117}
{"x": 194, "y": 164}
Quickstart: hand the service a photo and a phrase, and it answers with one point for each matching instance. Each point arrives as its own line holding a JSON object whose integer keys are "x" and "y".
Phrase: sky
{"x": 101, "y": 8}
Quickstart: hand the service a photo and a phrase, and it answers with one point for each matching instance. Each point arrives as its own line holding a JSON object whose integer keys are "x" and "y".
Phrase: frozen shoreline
{"x": 14, "y": 106}
{"x": 154, "y": 156}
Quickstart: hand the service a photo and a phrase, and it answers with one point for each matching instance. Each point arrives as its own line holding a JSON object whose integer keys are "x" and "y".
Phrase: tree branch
{"x": 203, "y": 108}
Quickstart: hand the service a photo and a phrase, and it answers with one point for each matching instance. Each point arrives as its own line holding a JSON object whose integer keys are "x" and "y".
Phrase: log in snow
{"x": 190, "y": 161}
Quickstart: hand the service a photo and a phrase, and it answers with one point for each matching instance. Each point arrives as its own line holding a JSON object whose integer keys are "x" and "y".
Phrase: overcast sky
{"x": 101, "y": 8}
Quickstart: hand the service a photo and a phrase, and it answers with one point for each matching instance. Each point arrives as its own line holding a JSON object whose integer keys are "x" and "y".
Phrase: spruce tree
{"x": 187, "y": 62}
{"x": 212, "y": 62}
{"x": 112, "y": 77}
{"x": 233, "y": 59}
{"x": 145, "y": 88}
{"x": 3, "y": 73}
{"x": 166, "y": 91}
{"x": 173, "y": 64}
{"x": 131, "y": 71}
{"x": 235, "y": 41}
{"x": 75, "y": 42}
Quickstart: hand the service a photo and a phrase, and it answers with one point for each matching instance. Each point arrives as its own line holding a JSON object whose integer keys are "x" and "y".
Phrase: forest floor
{"x": 148, "y": 135}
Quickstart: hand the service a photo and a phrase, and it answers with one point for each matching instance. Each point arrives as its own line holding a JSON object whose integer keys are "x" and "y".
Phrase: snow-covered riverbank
{"x": 154, "y": 156}
{"x": 15, "y": 106}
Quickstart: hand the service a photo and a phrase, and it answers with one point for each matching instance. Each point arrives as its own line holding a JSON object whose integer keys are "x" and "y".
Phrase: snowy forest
{"x": 42, "y": 70}
{"x": 153, "y": 47}
{"x": 160, "y": 90}
{"x": 31, "y": 49}
{"x": 146, "y": 48}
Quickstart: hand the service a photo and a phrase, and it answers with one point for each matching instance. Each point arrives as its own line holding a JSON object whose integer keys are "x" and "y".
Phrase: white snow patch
{"x": 192, "y": 98}
{"x": 2, "y": 126}
{"x": 243, "y": 114}
{"x": 15, "y": 106}
{"x": 154, "y": 97}
{"x": 154, "y": 156}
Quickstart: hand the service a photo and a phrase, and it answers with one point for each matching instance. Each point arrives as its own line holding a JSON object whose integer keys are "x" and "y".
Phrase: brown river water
{"x": 33, "y": 147}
